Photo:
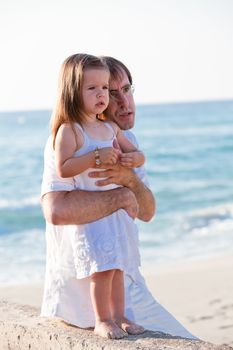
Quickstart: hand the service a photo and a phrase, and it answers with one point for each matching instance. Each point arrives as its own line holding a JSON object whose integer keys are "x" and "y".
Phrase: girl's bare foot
{"x": 129, "y": 326}
{"x": 109, "y": 329}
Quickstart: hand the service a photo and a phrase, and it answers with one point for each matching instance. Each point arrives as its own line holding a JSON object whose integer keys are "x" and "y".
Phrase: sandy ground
{"x": 199, "y": 294}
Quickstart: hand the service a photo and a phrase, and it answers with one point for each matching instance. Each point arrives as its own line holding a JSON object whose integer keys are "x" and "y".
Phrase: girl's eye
{"x": 105, "y": 87}
{"x": 91, "y": 88}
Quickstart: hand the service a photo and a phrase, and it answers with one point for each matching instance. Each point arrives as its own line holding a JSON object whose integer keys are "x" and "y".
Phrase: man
{"x": 65, "y": 205}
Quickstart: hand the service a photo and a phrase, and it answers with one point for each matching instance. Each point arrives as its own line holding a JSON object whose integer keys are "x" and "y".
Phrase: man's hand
{"x": 115, "y": 174}
{"x": 126, "y": 177}
{"x": 130, "y": 204}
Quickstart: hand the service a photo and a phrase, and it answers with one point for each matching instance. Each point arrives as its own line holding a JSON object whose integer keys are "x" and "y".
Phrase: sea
{"x": 189, "y": 161}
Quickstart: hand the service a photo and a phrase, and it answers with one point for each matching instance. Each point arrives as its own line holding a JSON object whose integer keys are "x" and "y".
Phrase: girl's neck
{"x": 92, "y": 121}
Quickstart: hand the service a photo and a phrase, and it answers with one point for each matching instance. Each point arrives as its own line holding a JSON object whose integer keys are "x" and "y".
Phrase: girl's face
{"x": 95, "y": 91}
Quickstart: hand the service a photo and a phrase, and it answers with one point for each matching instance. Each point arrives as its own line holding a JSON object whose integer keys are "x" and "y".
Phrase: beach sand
{"x": 199, "y": 294}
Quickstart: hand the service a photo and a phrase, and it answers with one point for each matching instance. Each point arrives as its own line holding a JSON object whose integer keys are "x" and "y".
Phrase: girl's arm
{"x": 66, "y": 144}
{"x": 132, "y": 157}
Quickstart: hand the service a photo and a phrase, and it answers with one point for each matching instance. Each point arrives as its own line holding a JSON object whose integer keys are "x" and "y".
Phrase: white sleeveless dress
{"x": 107, "y": 243}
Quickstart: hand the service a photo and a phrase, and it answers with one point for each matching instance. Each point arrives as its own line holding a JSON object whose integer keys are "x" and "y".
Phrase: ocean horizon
{"x": 189, "y": 152}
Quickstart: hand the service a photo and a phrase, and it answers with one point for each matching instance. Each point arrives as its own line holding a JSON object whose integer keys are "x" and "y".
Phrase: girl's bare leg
{"x": 101, "y": 289}
{"x": 118, "y": 305}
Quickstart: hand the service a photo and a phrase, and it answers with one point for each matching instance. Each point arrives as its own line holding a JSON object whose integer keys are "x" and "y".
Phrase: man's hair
{"x": 116, "y": 67}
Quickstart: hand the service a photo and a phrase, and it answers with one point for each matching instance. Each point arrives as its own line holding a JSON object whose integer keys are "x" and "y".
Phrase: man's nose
{"x": 123, "y": 100}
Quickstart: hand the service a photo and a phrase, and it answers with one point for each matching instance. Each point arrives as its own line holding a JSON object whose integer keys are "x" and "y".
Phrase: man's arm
{"x": 120, "y": 175}
{"x": 144, "y": 197}
{"x": 80, "y": 207}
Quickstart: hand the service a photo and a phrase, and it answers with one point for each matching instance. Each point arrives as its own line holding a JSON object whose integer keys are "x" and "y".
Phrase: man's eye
{"x": 113, "y": 93}
{"x": 126, "y": 88}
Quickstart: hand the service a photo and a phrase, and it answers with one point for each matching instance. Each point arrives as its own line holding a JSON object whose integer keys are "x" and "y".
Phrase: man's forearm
{"x": 145, "y": 198}
{"x": 123, "y": 176}
{"x": 80, "y": 207}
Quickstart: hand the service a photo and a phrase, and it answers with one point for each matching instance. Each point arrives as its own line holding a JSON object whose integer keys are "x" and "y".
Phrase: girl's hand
{"x": 132, "y": 159}
{"x": 109, "y": 155}
{"x": 127, "y": 160}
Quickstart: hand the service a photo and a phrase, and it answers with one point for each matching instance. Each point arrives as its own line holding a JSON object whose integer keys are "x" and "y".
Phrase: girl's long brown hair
{"x": 69, "y": 106}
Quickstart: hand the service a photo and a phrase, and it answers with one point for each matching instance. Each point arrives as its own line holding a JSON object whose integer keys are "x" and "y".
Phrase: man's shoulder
{"x": 49, "y": 141}
{"x": 140, "y": 171}
{"x": 49, "y": 145}
{"x": 130, "y": 135}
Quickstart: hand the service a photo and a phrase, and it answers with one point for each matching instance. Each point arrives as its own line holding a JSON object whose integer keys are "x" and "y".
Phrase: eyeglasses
{"x": 126, "y": 90}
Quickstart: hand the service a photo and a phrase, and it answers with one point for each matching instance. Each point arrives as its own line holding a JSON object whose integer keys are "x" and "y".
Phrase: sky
{"x": 177, "y": 50}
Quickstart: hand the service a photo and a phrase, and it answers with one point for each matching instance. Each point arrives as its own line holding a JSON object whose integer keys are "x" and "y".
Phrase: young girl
{"x": 81, "y": 140}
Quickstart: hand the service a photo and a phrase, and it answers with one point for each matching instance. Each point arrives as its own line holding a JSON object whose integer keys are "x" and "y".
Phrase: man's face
{"x": 121, "y": 108}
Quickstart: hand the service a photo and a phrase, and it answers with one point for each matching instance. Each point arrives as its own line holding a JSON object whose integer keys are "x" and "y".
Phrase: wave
{"x": 20, "y": 215}
{"x": 196, "y": 234}
{"x": 19, "y": 203}
{"x": 22, "y": 257}
{"x": 211, "y": 220}
{"x": 218, "y": 130}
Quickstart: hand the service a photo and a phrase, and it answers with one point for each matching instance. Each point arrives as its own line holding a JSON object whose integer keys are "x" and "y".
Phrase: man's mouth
{"x": 125, "y": 114}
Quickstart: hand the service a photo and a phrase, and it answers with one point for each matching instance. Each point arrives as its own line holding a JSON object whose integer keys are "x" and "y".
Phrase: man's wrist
{"x": 132, "y": 180}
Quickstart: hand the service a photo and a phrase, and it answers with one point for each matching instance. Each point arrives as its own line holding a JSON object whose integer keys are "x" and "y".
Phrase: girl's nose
{"x": 100, "y": 93}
